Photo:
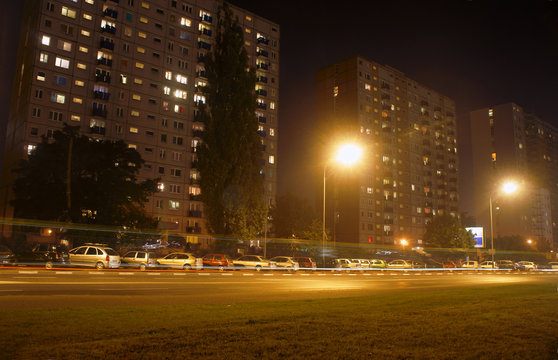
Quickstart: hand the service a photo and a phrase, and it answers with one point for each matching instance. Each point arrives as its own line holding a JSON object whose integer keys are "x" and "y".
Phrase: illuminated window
{"x": 271, "y": 132}
{"x": 142, "y": 35}
{"x": 134, "y": 130}
{"x": 87, "y": 16}
{"x": 141, "y": 50}
{"x": 123, "y": 79}
{"x": 85, "y": 33}
{"x": 90, "y": 1}
{"x": 138, "y": 81}
{"x": 180, "y": 94}
{"x": 68, "y": 12}
{"x": 139, "y": 65}
{"x": 64, "y": 45}
{"x": 77, "y": 100}
{"x": 43, "y": 57}
{"x": 81, "y": 66}
{"x": 136, "y": 97}
{"x": 79, "y": 83}
{"x": 185, "y": 22}
{"x": 145, "y": 5}
{"x": 168, "y": 75}
{"x": 367, "y": 87}
{"x": 83, "y": 49}
{"x": 134, "y": 113}
{"x": 143, "y": 20}
{"x": 493, "y": 156}
{"x": 63, "y": 63}
{"x": 58, "y": 98}
{"x": 45, "y": 40}
{"x": 174, "y": 205}
{"x": 335, "y": 91}
{"x": 181, "y": 79}
{"x": 271, "y": 159}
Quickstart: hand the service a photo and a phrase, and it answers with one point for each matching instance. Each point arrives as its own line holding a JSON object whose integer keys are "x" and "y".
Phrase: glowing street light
{"x": 404, "y": 242}
{"x": 346, "y": 155}
{"x": 509, "y": 187}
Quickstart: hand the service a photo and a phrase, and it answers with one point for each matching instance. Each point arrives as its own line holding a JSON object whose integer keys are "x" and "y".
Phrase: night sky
{"x": 478, "y": 53}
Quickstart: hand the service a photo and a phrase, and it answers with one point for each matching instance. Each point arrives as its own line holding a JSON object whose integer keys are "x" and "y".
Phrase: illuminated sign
{"x": 477, "y": 236}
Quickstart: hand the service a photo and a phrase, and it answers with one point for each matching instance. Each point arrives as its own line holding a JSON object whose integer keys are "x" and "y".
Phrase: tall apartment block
{"x": 511, "y": 144}
{"x": 132, "y": 70}
{"x": 408, "y": 173}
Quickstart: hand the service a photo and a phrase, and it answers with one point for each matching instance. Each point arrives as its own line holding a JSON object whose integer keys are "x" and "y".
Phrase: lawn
{"x": 505, "y": 322}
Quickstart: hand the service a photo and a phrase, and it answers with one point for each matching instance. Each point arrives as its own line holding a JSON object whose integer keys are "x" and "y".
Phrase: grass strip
{"x": 505, "y": 322}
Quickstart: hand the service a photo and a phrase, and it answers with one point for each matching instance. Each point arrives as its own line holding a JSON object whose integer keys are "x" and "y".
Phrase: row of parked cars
{"x": 413, "y": 264}
{"x": 104, "y": 257}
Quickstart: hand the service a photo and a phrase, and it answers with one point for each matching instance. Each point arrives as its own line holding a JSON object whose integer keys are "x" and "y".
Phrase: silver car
{"x": 286, "y": 262}
{"x": 185, "y": 261}
{"x": 141, "y": 259}
{"x": 255, "y": 262}
{"x": 98, "y": 256}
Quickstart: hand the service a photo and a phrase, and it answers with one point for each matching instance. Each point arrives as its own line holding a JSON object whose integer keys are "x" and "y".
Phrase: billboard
{"x": 477, "y": 235}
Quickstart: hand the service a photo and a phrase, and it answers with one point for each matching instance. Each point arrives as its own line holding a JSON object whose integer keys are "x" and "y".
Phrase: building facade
{"x": 508, "y": 143}
{"x": 408, "y": 173}
{"x": 132, "y": 70}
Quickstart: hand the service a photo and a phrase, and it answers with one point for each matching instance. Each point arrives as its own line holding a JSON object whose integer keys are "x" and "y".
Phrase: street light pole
{"x": 324, "y": 219}
{"x": 491, "y": 232}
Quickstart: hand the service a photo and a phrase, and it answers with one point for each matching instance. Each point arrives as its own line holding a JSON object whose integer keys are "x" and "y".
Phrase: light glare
{"x": 509, "y": 187}
{"x": 348, "y": 154}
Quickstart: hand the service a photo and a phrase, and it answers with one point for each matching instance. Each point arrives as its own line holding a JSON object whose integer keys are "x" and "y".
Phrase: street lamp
{"x": 346, "y": 155}
{"x": 508, "y": 187}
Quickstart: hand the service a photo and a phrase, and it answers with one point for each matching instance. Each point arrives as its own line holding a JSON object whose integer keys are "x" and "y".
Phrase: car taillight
{"x": 108, "y": 259}
{"x": 56, "y": 255}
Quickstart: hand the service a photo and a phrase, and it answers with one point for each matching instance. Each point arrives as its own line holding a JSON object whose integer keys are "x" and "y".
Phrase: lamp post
{"x": 508, "y": 188}
{"x": 347, "y": 155}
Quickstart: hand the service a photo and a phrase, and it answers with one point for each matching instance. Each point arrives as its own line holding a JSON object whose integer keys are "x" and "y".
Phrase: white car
{"x": 361, "y": 263}
{"x": 553, "y": 265}
{"x": 488, "y": 265}
{"x": 344, "y": 264}
{"x": 399, "y": 264}
{"x": 285, "y": 262}
{"x": 526, "y": 265}
{"x": 255, "y": 262}
{"x": 470, "y": 264}
{"x": 179, "y": 260}
{"x": 98, "y": 256}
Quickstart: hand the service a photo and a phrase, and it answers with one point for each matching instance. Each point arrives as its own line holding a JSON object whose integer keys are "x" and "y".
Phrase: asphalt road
{"x": 42, "y": 288}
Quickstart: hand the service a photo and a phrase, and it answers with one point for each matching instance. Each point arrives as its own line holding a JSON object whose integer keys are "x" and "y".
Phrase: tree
{"x": 100, "y": 186}
{"x": 230, "y": 152}
{"x": 445, "y": 231}
{"x": 292, "y": 216}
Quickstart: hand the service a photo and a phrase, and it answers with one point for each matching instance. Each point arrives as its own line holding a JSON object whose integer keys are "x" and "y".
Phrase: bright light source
{"x": 404, "y": 242}
{"x": 509, "y": 187}
{"x": 529, "y": 241}
{"x": 348, "y": 154}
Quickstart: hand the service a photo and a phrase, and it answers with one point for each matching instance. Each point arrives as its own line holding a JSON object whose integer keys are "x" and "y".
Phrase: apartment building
{"x": 132, "y": 70}
{"x": 408, "y": 173}
{"x": 509, "y": 143}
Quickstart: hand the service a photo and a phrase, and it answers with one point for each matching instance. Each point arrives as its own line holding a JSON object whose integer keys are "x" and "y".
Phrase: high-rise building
{"x": 132, "y": 70}
{"x": 408, "y": 172}
{"x": 509, "y": 144}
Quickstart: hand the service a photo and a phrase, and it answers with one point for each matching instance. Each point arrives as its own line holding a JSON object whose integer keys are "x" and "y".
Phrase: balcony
{"x": 102, "y": 78}
{"x": 261, "y": 92}
{"x": 262, "y": 40}
{"x": 261, "y": 133}
{"x": 263, "y": 66}
{"x": 110, "y": 13}
{"x": 105, "y": 44}
{"x": 102, "y": 112}
{"x": 206, "y": 32}
{"x": 388, "y": 221}
{"x": 101, "y": 95}
{"x": 197, "y": 133}
{"x": 262, "y": 106}
{"x": 195, "y": 164}
{"x": 104, "y": 61}
{"x": 263, "y": 53}
{"x": 195, "y": 197}
{"x": 262, "y": 79}
{"x": 194, "y": 182}
{"x": 193, "y": 230}
{"x": 262, "y": 119}
{"x": 201, "y": 58}
{"x": 201, "y": 73}
{"x": 424, "y": 103}
{"x": 207, "y": 18}
{"x": 109, "y": 28}
{"x": 195, "y": 213}
{"x": 97, "y": 130}
{"x": 204, "y": 45}
{"x": 388, "y": 209}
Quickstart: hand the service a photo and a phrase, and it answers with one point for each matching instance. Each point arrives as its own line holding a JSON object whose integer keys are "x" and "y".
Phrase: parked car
{"x": 448, "y": 264}
{"x": 218, "y": 261}
{"x": 255, "y": 262}
{"x": 180, "y": 260}
{"x": 399, "y": 264}
{"x": 361, "y": 263}
{"x": 140, "y": 259}
{"x": 285, "y": 262}
{"x": 418, "y": 264}
{"x": 553, "y": 265}
{"x": 507, "y": 264}
{"x": 100, "y": 256}
{"x": 153, "y": 244}
{"x": 47, "y": 255}
{"x": 344, "y": 264}
{"x": 376, "y": 263}
{"x": 305, "y": 262}
{"x": 471, "y": 264}
{"x": 526, "y": 265}
{"x": 488, "y": 265}
{"x": 7, "y": 257}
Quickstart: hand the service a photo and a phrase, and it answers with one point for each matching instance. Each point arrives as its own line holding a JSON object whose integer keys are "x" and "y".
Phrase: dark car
{"x": 47, "y": 255}
{"x": 217, "y": 261}
{"x": 305, "y": 262}
{"x": 7, "y": 257}
{"x": 507, "y": 264}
